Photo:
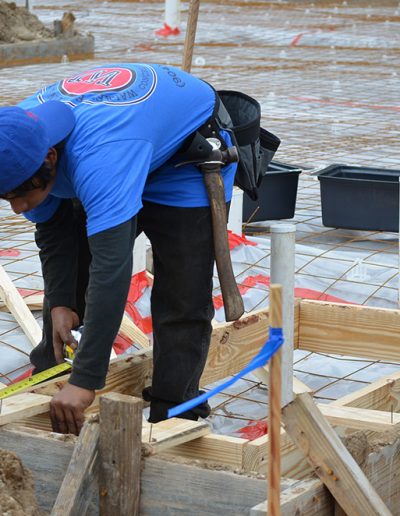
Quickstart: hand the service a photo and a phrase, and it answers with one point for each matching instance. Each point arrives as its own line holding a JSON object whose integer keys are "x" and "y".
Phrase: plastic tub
{"x": 276, "y": 195}
{"x": 360, "y": 198}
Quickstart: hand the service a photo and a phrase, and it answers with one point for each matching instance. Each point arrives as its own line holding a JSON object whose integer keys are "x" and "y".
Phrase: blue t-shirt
{"x": 130, "y": 120}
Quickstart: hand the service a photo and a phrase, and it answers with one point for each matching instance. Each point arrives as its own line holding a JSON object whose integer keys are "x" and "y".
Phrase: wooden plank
{"x": 73, "y": 499}
{"x": 219, "y": 449}
{"x": 15, "y": 303}
{"x": 33, "y": 302}
{"x": 120, "y": 452}
{"x": 129, "y": 329}
{"x": 45, "y": 455}
{"x": 23, "y": 405}
{"x": 382, "y": 466}
{"x": 360, "y": 419}
{"x": 358, "y": 331}
{"x": 293, "y": 463}
{"x": 159, "y": 437}
{"x": 173, "y": 488}
{"x": 309, "y": 497}
{"x": 331, "y": 460}
{"x": 298, "y": 385}
{"x": 383, "y": 394}
{"x": 127, "y": 375}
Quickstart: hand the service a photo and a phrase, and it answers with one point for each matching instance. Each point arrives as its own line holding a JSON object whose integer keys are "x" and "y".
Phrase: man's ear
{"x": 52, "y": 157}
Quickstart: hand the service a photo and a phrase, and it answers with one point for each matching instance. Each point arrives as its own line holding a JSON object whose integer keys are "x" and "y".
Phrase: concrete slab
{"x": 46, "y": 50}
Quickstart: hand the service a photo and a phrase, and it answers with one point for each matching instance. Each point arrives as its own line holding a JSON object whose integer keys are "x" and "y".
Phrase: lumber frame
{"x": 308, "y": 496}
{"x": 378, "y": 399}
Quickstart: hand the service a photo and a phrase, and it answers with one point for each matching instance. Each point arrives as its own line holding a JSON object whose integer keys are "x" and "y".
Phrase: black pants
{"x": 181, "y": 303}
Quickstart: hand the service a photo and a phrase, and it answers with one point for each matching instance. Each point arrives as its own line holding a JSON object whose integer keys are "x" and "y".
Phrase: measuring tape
{"x": 69, "y": 355}
{"x": 33, "y": 380}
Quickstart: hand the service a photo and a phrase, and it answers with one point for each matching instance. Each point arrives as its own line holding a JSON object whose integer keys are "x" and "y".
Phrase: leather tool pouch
{"x": 256, "y": 145}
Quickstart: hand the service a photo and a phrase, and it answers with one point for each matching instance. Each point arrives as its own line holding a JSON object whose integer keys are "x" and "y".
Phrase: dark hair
{"x": 40, "y": 178}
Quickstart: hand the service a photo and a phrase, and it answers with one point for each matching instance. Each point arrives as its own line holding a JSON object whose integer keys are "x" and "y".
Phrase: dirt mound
{"x": 18, "y": 24}
{"x": 17, "y": 496}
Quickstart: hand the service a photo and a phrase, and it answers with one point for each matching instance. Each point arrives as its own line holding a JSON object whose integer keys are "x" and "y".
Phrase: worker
{"x": 93, "y": 160}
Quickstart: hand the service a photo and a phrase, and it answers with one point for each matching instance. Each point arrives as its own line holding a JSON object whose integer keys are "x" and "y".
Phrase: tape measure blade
{"x": 19, "y": 387}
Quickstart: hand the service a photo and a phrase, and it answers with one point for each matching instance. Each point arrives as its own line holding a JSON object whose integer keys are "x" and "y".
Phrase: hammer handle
{"x": 233, "y": 303}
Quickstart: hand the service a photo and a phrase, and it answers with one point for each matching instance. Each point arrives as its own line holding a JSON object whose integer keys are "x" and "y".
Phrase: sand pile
{"x": 17, "y": 496}
{"x": 18, "y": 24}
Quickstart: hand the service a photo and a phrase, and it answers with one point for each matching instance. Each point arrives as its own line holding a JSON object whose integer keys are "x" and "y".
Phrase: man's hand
{"x": 64, "y": 320}
{"x": 67, "y": 409}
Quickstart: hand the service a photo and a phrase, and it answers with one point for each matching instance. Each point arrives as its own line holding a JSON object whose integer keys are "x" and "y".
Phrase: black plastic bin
{"x": 276, "y": 195}
{"x": 360, "y": 198}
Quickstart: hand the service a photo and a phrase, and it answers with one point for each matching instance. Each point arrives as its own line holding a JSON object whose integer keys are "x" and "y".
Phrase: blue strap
{"x": 272, "y": 345}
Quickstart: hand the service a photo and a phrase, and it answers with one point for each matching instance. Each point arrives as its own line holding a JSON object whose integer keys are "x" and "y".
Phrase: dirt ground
{"x": 17, "y": 496}
{"x": 18, "y": 24}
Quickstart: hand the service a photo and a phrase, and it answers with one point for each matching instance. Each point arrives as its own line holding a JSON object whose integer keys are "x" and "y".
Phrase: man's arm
{"x": 110, "y": 274}
{"x": 109, "y": 280}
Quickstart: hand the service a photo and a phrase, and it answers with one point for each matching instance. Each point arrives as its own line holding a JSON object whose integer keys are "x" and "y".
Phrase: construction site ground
{"x": 327, "y": 75}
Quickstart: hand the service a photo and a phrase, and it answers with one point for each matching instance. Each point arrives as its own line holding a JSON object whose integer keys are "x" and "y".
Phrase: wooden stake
{"x": 274, "y": 426}
{"x": 120, "y": 454}
{"x": 73, "y": 496}
{"x": 190, "y": 35}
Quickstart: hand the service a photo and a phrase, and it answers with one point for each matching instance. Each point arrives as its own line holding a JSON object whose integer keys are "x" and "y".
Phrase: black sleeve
{"x": 58, "y": 251}
{"x": 109, "y": 281}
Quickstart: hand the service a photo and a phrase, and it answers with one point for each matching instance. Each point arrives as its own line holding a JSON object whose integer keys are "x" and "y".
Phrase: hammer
{"x": 233, "y": 303}
{"x": 211, "y": 169}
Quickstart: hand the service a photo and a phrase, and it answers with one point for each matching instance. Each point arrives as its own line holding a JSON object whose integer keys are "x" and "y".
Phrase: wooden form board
{"x": 227, "y": 491}
{"x": 23, "y": 405}
{"x": 343, "y": 329}
{"x": 232, "y": 347}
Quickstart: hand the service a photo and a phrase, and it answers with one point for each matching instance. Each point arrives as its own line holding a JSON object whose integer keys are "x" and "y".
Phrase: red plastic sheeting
{"x": 260, "y": 279}
{"x": 139, "y": 283}
{"x": 235, "y": 240}
{"x": 25, "y": 292}
{"x": 9, "y": 252}
{"x": 248, "y": 283}
{"x": 253, "y": 430}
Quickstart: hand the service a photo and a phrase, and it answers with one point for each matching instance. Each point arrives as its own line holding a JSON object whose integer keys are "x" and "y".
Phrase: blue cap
{"x": 26, "y": 136}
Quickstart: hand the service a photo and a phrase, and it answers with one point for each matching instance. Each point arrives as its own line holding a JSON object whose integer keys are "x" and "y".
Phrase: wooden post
{"x": 120, "y": 449}
{"x": 190, "y": 35}
{"x": 73, "y": 497}
{"x": 274, "y": 422}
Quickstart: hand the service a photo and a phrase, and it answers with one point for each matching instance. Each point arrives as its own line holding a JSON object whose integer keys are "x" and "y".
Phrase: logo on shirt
{"x": 114, "y": 86}
{"x": 98, "y": 80}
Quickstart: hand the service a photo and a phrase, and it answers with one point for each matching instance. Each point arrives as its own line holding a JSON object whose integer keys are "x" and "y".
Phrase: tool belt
{"x": 240, "y": 116}
{"x": 256, "y": 145}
